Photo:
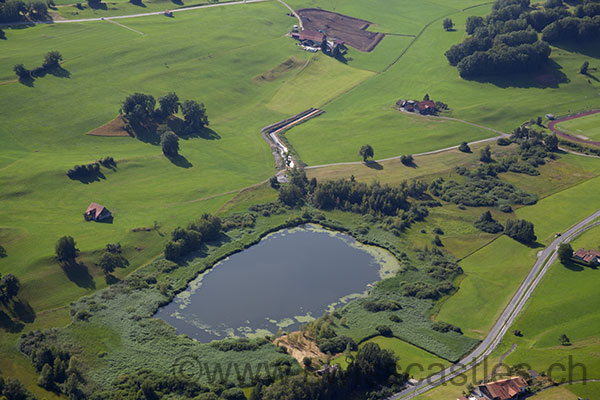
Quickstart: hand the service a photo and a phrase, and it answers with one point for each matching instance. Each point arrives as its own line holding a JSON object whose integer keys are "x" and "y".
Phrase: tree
{"x": 488, "y": 224}
{"x": 2, "y": 252}
{"x": 474, "y": 23}
{"x": 52, "y": 60}
{"x": 194, "y": 115}
{"x": 39, "y": 8}
{"x": 290, "y": 194}
{"x": 324, "y": 46}
{"x": 46, "y": 378}
{"x": 110, "y": 261}
{"x": 564, "y": 340}
{"x": 22, "y": 72}
{"x": 307, "y": 361}
{"x": 138, "y": 107}
{"x": 437, "y": 241}
{"x": 538, "y": 121}
{"x": 448, "y": 24}
{"x": 170, "y": 144}
{"x": 384, "y": 330}
{"x": 584, "y": 68}
{"x": 565, "y": 252}
{"x": 366, "y": 151}
{"x": 168, "y": 104}
{"x": 9, "y": 287}
{"x": 65, "y": 249}
{"x": 551, "y": 142}
{"x": 407, "y": 160}
{"x": 520, "y": 230}
{"x": 485, "y": 155}
{"x": 464, "y": 147}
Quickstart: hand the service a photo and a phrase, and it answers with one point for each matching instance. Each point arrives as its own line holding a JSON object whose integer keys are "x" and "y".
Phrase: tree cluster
{"x": 480, "y": 190}
{"x": 12, "y": 389}
{"x": 503, "y": 42}
{"x": 83, "y": 171}
{"x": 59, "y": 371}
{"x": 241, "y": 344}
{"x": 573, "y": 29}
{"x": 520, "y": 230}
{"x": 52, "y": 61}
{"x": 186, "y": 240}
{"x": 372, "y": 369}
{"x": 18, "y": 10}
{"x": 488, "y": 224}
{"x": 140, "y": 109}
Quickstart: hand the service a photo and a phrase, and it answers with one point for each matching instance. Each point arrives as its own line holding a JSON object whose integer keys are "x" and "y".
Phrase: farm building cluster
{"x": 425, "y": 107}
{"x": 506, "y": 389}
{"x": 314, "y": 41}
{"x": 590, "y": 257}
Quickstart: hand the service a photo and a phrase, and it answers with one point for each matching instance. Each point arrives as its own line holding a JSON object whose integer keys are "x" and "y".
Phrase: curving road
{"x": 544, "y": 260}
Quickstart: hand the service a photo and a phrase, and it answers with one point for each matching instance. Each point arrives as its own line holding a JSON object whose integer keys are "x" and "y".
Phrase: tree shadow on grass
{"x": 28, "y": 81}
{"x": 573, "y": 266}
{"x": 590, "y": 49}
{"x": 138, "y": 3}
{"x": 79, "y": 274}
{"x": 178, "y": 2}
{"x": 8, "y": 324}
{"x": 180, "y": 161}
{"x": 374, "y": 165}
{"x": 95, "y": 177}
{"x": 59, "y": 72}
{"x": 549, "y": 76}
{"x": 23, "y": 311}
{"x": 2, "y": 35}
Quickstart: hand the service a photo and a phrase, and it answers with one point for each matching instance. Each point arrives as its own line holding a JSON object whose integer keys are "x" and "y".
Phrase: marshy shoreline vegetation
{"x": 400, "y": 306}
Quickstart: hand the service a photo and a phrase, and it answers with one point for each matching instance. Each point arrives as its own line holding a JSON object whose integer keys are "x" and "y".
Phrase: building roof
{"x": 587, "y": 255}
{"x": 506, "y": 389}
{"x": 426, "y": 104}
{"x": 95, "y": 210}
{"x": 311, "y": 35}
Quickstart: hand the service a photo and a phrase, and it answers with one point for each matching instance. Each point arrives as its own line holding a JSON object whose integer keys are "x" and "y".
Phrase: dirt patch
{"x": 116, "y": 127}
{"x": 300, "y": 346}
{"x": 338, "y": 26}
{"x": 279, "y": 71}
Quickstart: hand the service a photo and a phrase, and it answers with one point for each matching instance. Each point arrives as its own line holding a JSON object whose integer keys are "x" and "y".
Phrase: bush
{"x": 437, "y": 241}
{"x": 382, "y": 305}
{"x": 505, "y": 208}
{"x": 395, "y": 318}
{"x": 438, "y": 231}
{"x": 444, "y": 327}
{"x": 336, "y": 344}
{"x": 407, "y": 160}
{"x": 384, "y": 330}
{"x": 520, "y": 230}
{"x": 503, "y": 142}
{"x": 488, "y": 224}
{"x": 464, "y": 147}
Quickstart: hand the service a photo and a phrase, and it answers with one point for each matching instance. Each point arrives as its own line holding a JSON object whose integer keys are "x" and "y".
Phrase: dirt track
{"x": 551, "y": 126}
{"x": 350, "y": 30}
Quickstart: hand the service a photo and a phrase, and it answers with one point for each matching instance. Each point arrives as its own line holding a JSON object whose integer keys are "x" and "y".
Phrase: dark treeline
{"x": 186, "y": 240}
{"x": 506, "y": 41}
{"x": 12, "y": 389}
{"x": 18, "y": 10}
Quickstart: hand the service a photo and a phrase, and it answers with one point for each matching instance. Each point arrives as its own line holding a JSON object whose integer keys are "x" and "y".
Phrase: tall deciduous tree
{"x": 448, "y": 24}
{"x": 168, "y": 104}
{"x": 565, "y": 252}
{"x": 366, "y": 151}
{"x": 52, "y": 59}
{"x": 170, "y": 144}
{"x": 194, "y": 114}
{"x": 65, "y": 249}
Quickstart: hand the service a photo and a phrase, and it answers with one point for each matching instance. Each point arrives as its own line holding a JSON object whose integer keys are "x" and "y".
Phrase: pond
{"x": 287, "y": 279}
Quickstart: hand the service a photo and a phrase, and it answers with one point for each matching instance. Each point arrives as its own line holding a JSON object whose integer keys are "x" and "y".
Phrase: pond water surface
{"x": 285, "y": 280}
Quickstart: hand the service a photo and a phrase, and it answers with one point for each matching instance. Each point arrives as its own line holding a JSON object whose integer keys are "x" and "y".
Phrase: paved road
{"x": 545, "y": 259}
{"x": 66, "y": 21}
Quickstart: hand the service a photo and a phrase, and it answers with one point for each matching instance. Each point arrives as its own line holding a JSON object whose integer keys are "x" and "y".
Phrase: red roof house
{"x": 96, "y": 212}
{"x": 426, "y": 107}
{"x": 587, "y": 256}
{"x": 506, "y": 389}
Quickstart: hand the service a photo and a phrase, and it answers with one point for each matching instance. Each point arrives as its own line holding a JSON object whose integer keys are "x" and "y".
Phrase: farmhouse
{"x": 591, "y": 257}
{"x": 96, "y": 212}
{"x": 506, "y": 389}
{"x": 309, "y": 38}
{"x": 425, "y": 107}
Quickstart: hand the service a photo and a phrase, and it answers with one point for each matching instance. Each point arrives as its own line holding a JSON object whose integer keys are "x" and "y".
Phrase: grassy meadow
{"x": 366, "y": 114}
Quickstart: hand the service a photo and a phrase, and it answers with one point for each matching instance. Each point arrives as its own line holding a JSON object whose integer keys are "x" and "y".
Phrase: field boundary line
{"x": 126, "y": 27}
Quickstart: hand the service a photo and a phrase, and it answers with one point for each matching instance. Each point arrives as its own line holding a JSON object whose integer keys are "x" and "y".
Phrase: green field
{"x": 410, "y": 358}
{"x": 587, "y": 127}
{"x": 365, "y": 114}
